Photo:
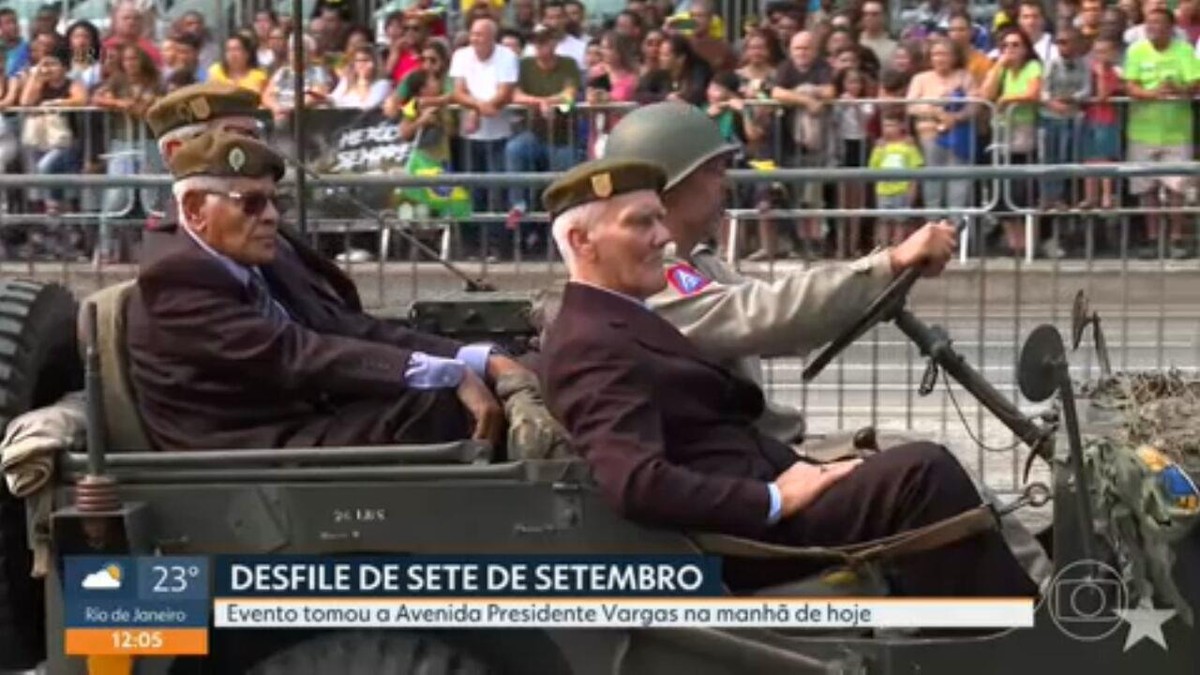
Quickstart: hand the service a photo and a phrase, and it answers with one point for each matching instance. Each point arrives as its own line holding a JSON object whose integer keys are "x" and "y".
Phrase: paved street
{"x": 1150, "y": 313}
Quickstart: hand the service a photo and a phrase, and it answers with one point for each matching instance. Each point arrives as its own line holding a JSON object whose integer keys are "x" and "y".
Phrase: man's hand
{"x": 801, "y": 484}
{"x": 930, "y": 248}
{"x": 479, "y": 401}
{"x": 499, "y": 366}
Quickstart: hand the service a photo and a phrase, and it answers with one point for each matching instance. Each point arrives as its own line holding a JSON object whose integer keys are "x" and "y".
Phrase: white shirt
{"x": 342, "y": 97}
{"x": 483, "y": 80}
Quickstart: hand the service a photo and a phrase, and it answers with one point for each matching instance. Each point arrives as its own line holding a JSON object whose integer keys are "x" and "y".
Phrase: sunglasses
{"x": 1013, "y": 45}
{"x": 255, "y": 203}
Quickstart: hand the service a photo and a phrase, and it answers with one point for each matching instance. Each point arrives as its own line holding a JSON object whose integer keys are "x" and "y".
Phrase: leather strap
{"x": 933, "y": 536}
{"x": 930, "y": 537}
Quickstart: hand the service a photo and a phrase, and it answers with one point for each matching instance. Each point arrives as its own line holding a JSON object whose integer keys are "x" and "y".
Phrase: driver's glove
{"x": 533, "y": 433}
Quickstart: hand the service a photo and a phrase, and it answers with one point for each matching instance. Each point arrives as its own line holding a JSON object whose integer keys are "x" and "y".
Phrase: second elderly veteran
{"x": 670, "y": 434}
{"x": 230, "y": 348}
{"x": 738, "y": 320}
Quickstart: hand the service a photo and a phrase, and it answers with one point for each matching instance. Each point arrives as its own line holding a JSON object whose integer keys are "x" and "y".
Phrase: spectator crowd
{"x": 525, "y": 85}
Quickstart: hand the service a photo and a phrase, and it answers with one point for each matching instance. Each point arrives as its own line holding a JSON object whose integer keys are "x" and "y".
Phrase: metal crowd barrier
{"x": 818, "y": 207}
{"x": 1148, "y": 307}
{"x": 97, "y": 141}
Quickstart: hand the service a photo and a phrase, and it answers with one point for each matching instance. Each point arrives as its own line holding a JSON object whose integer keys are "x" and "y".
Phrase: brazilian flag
{"x": 443, "y": 201}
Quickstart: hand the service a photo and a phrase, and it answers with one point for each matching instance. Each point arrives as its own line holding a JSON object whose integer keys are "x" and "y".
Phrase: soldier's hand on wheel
{"x": 930, "y": 248}
{"x": 483, "y": 407}
{"x": 802, "y": 483}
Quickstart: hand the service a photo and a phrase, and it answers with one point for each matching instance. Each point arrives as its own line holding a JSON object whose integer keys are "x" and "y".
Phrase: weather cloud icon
{"x": 106, "y": 578}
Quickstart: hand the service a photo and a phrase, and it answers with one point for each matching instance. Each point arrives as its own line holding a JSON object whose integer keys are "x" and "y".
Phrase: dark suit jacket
{"x": 669, "y": 435}
{"x": 210, "y": 371}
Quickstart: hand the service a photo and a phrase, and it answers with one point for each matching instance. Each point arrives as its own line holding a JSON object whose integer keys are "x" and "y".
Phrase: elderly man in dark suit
{"x": 232, "y": 346}
{"x": 190, "y": 111}
{"x": 670, "y": 434}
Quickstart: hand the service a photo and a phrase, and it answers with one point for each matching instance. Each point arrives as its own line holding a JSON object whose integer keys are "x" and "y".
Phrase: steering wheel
{"x": 881, "y": 308}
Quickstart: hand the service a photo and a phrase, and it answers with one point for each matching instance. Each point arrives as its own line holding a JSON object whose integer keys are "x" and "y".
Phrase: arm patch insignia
{"x": 685, "y": 279}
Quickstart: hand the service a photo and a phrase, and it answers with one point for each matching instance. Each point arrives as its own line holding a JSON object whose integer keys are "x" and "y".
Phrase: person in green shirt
{"x": 547, "y": 87}
{"x": 1015, "y": 84}
{"x": 1162, "y": 74}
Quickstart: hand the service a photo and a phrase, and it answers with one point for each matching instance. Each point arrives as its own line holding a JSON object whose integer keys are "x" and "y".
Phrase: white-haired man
{"x": 670, "y": 434}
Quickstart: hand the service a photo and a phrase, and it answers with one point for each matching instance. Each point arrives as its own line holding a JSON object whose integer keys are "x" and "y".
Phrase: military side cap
{"x": 226, "y": 155}
{"x": 601, "y": 179}
{"x": 199, "y": 103}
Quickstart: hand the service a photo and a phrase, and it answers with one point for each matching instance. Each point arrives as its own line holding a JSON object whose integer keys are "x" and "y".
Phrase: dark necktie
{"x": 263, "y": 302}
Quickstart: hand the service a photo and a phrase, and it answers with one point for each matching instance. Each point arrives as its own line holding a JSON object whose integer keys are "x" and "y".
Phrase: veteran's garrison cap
{"x": 226, "y": 155}
{"x": 602, "y": 179}
{"x": 200, "y": 103}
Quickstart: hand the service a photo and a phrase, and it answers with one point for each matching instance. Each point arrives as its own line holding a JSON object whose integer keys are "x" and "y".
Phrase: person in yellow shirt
{"x": 239, "y": 65}
{"x": 895, "y": 150}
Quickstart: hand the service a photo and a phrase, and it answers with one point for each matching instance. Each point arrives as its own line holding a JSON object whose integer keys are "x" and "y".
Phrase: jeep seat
{"x": 123, "y": 426}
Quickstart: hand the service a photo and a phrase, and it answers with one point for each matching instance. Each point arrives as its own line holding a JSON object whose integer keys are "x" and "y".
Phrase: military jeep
{"x": 123, "y": 496}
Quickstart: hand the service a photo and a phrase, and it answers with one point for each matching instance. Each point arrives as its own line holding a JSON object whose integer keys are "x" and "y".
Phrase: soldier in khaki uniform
{"x": 739, "y": 320}
{"x": 736, "y": 319}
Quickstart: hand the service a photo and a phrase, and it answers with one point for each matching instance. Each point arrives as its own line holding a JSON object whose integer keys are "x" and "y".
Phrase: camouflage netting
{"x": 1144, "y": 505}
{"x": 1160, "y": 409}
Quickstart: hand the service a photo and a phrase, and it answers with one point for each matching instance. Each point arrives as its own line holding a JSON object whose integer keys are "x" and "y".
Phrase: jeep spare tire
{"x": 39, "y": 363}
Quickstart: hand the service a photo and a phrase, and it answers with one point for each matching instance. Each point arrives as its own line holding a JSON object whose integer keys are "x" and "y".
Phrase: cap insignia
{"x": 237, "y": 159}
{"x": 602, "y": 185}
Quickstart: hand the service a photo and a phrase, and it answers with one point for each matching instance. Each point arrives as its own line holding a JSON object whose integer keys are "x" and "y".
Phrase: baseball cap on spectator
{"x": 541, "y": 33}
{"x": 199, "y": 103}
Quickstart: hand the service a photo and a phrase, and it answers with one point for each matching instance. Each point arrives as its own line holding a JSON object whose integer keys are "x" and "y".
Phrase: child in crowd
{"x": 852, "y": 120}
{"x": 725, "y": 107}
{"x": 895, "y": 150}
{"x": 1102, "y": 130}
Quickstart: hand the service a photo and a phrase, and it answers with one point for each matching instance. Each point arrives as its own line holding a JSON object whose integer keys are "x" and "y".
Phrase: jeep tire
{"x": 372, "y": 653}
{"x": 39, "y": 362}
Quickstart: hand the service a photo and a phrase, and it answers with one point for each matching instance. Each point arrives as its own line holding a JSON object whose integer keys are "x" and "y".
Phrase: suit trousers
{"x": 907, "y": 487}
{"x": 417, "y": 416}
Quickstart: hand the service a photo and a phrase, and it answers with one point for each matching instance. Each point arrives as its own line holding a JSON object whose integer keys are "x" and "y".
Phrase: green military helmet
{"x": 678, "y": 136}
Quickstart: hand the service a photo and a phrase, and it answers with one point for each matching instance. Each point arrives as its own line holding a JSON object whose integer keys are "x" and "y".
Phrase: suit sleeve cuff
{"x": 776, "y": 504}
{"x": 475, "y": 356}
{"x": 433, "y": 372}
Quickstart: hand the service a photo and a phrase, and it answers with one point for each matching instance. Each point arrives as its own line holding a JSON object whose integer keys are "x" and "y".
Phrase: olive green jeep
{"x": 121, "y": 495}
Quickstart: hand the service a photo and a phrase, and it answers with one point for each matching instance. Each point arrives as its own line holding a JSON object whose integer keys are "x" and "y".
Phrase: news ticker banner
{"x": 167, "y": 605}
